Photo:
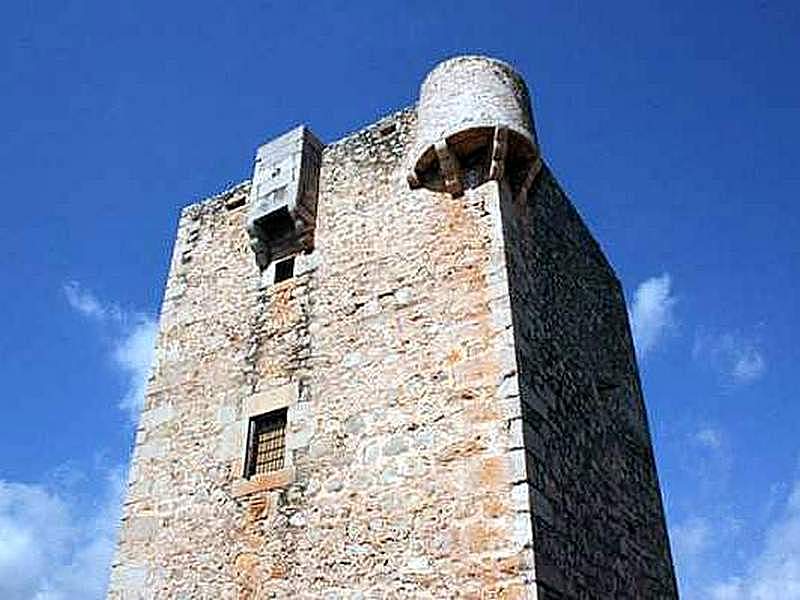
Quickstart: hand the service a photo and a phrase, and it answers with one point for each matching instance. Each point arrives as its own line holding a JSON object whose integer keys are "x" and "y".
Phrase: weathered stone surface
{"x": 599, "y": 526}
{"x": 463, "y": 410}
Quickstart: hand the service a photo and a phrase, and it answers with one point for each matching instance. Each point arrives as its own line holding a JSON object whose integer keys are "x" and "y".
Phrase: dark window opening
{"x": 278, "y": 222}
{"x": 235, "y": 202}
{"x": 266, "y": 443}
{"x": 284, "y": 270}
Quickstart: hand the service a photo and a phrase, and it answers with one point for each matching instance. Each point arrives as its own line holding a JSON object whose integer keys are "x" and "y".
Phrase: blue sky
{"x": 674, "y": 126}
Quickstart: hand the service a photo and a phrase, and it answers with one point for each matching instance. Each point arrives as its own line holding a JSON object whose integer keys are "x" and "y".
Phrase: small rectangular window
{"x": 284, "y": 270}
{"x": 266, "y": 443}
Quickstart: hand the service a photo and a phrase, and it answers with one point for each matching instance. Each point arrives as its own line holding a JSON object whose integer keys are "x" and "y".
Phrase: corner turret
{"x": 475, "y": 124}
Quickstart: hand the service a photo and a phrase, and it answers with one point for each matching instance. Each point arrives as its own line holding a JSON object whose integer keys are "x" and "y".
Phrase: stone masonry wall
{"x": 599, "y": 528}
{"x": 464, "y": 415}
{"x": 391, "y": 348}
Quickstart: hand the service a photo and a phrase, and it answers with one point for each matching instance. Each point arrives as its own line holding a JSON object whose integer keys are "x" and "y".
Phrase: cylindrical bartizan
{"x": 471, "y": 109}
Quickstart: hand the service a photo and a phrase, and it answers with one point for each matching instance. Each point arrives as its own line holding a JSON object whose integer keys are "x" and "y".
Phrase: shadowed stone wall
{"x": 599, "y": 528}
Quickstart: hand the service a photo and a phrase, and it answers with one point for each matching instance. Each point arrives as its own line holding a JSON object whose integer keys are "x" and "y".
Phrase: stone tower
{"x": 395, "y": 366}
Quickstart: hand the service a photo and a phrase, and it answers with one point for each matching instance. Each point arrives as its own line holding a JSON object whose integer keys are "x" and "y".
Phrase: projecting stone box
{"x": 283, "y": 196}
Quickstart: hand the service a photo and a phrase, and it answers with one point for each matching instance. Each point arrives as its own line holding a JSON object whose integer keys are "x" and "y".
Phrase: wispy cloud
{"x": 715, "y": 561}
{"x": 708, "y": 458}
{"x": 54, "y": 544}
{"x": 49, "y": 548}
{"x": 775, "y": 572}
{"x": 132, "y": 338}
{"x": 691, "y": 538}
{"x": 705, "y": 538}
{"x": 87, "y": 304}
{"x": 735, "y": 356}
{"x": 652, "y": 312}
{"x": 709, "y": 437}
{"x": 133, "y": 354}
{"x": 702, "y": 547}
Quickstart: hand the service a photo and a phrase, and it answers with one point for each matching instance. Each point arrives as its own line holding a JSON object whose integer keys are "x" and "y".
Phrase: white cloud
{"x": 86, "y": 303}
{"x": 706, "y": 540}
{"x": 702, "y": 547}
{"x": 54, "y": 544}
{"x": 709, "y": 437}
{"x": 732, "y": 354}
{"x": 691, "y": 538}
{"x": 749, "y": 365}
{"x": 48, "y": 551}
{"x": 132, "y": 336}
{"x": 710, "y": 563}
{"x": 725, "y": 591}
{"x": 133, "y": 355}
{"x": 652, "y": 312}
{"x": 775, "y": 572}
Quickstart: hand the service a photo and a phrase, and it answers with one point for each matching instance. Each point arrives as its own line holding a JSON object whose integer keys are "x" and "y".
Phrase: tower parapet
{"x": 474, "y": 115}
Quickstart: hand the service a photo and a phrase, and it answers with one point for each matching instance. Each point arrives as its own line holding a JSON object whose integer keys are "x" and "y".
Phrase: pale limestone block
{"x": 231, "y": 443}
{"x": 516, "y": 437}
{"x": 520, "y": 497}
{"x": 156, "y": 448}
{"x": 301, "y": 426}
{"x": 154, "y": 417}
{"x": 270, "y": 399}
{"x": 226, "y": 415}
{"x": 522, "y": 529}
{"x": 517, "y": 464}
{"x": 142, "y": 528}
{"x": 509, "y": 387}
{"x": 130, "y": 578}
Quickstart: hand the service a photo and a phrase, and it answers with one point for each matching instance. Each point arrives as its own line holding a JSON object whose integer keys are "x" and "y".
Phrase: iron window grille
{"x": 266, "y": 443}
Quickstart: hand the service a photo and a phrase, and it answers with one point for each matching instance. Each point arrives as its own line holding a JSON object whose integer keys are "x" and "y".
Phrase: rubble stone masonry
{"x": 464, "y": 417}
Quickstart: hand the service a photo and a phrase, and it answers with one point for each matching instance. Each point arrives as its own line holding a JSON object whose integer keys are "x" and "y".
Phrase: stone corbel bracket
{"x": 449, "y": 168}
{"x": 499, "y": 147}
{"x": 533, "y": 170}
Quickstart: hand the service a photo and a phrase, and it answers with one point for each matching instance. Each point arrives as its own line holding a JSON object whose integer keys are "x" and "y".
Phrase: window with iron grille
{"x": 266, "y": 443}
